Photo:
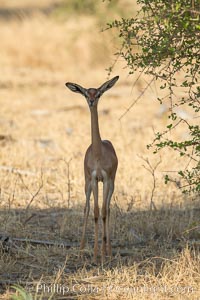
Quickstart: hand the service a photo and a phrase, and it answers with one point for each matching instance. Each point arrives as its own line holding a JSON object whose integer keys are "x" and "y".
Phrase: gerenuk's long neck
{"x": 96, "y": 138}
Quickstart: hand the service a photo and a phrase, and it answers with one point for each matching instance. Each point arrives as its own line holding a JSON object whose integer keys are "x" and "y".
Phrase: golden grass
{"x": 44, "y": 132}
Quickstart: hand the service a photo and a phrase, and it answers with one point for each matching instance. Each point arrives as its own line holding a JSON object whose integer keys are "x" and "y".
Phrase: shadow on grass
{"x": 38, "y": 243}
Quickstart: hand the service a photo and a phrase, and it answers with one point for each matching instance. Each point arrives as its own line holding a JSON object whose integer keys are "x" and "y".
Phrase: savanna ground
{"x": 44, "y": 133}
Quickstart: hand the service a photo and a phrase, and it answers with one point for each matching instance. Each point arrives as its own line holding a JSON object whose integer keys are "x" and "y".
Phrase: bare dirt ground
{"x": 44, "y": 133}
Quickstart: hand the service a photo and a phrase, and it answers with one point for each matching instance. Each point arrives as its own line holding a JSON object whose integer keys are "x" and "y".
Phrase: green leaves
{"x": 162, "y": 41}
{"x": 22, "y": 294}
{"x": 169, "y": 126}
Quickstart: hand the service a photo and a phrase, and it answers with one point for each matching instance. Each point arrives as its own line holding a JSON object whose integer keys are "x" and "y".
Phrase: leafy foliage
{"x": 162, "y": 40}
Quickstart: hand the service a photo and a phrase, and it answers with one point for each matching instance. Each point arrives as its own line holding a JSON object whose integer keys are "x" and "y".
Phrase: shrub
{"x": 162, "y": 40}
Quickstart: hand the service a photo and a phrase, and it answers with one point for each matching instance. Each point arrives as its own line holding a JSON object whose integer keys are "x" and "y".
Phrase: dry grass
{"x": 44, "y": 132}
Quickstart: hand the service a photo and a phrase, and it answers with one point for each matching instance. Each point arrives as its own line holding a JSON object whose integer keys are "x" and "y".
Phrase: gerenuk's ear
{"x": 76, "y": 88}
{"x": 108, "y": 84}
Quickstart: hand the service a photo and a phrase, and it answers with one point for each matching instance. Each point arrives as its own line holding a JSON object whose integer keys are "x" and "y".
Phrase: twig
{"x": 151, "y": 170}
{"x": 45, "y": 242}
{"x": 68, "y": 180}
{"x": 136, "y": 100}
{"x": 33, "y": 195}
{"x": 29, "y": 218}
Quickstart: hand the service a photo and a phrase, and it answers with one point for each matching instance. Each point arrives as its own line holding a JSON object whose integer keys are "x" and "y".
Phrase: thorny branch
{"x": 68, "y": 181}
{"x": 151, "y": 169}
{"x": 33, "y": 196}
